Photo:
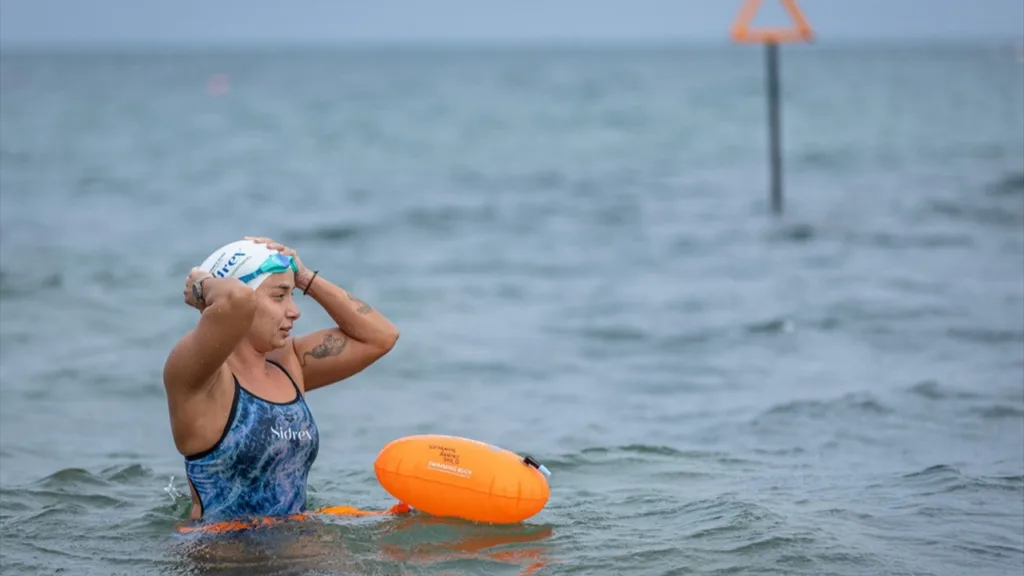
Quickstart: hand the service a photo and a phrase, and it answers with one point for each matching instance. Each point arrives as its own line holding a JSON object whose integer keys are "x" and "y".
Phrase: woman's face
{"x": 276, "y": 312}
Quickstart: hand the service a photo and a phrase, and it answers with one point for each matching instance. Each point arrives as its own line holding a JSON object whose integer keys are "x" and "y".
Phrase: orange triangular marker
{"x": 800, "y": 32}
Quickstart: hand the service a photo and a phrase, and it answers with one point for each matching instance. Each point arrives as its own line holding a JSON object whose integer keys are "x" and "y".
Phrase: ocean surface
{"x": 578, "y": 249}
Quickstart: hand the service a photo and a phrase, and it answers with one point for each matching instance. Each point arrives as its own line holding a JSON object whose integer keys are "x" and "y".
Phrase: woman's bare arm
{"x": 224, "y": 320}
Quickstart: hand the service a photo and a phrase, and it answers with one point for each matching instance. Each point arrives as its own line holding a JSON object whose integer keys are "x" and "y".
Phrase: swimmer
{"x": 236, "y": 384}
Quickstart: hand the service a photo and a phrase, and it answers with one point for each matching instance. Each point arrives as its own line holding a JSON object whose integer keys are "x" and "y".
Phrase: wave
{"x": 944, "y": 478}
{"x": 28, "y": 284}
{"x": 999, "y": 412}
{"x": 960, "y": 210}
{"x": 855, "y": 403}
{"x": 934, "y": 390}
{"x": 1011, "y": 184}
{"x": 634, "y": 453}
{"x": 987, "y": 335}
{"x": 325, "y": 233}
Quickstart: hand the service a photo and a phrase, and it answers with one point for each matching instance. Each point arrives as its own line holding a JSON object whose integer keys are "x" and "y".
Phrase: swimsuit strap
{"x": 281, "y": 368}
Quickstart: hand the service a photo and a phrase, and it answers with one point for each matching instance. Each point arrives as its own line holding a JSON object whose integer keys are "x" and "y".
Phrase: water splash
{"x": 172, "y": 491}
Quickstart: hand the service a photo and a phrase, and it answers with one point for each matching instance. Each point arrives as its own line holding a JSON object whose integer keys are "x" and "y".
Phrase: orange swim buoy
{"x": 461, "y": 478}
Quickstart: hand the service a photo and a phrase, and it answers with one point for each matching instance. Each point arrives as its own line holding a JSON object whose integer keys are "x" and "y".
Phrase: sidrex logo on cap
{"x": 225, "y": 270}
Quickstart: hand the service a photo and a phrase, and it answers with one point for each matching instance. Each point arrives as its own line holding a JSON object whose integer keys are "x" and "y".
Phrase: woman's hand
{"x": 194, "y": 275}
{"x": 303, "y": 276}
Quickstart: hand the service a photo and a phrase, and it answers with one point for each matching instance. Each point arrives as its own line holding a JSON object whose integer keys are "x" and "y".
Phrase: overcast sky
{"x": 45, "y": 21}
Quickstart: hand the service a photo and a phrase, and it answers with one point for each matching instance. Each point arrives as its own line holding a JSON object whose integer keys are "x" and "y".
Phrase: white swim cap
{"x": 250, "y": 262}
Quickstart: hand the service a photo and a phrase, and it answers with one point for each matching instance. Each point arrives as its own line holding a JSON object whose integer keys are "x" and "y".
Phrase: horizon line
{"x": 469, "y": 42}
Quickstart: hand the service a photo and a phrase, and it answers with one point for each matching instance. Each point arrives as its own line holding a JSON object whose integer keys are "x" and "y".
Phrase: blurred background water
{"x": 577, "y": 247}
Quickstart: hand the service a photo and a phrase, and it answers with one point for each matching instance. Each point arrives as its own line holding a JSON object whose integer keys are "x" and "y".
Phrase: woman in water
{"x": 236, "y": 384}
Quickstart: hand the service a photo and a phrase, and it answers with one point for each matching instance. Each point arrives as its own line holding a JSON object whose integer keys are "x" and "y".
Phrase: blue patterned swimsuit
{"x": 260, "y": 465}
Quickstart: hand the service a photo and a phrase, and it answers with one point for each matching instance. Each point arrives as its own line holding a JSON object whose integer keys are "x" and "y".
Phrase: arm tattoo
{"x": 330, "y": 346}
{"x": 364, "y": 308}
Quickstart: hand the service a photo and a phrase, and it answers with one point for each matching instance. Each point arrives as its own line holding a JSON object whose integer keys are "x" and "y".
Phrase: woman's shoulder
{"x": 286, "y": 359}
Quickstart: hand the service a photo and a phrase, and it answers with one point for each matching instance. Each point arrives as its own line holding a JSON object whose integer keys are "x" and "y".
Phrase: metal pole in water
{"x": 771, "y": 38}
{"x": 771, "y": 51}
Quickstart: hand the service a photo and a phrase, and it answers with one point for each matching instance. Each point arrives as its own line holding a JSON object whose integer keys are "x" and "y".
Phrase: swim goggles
{"x": 274, "y": 264}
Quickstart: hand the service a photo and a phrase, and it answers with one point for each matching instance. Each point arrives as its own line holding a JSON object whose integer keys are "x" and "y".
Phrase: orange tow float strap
{"x": 266, "y": 521}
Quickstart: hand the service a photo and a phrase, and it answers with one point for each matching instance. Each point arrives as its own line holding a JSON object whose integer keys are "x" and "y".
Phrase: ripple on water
{"x": 126, "y": 501}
